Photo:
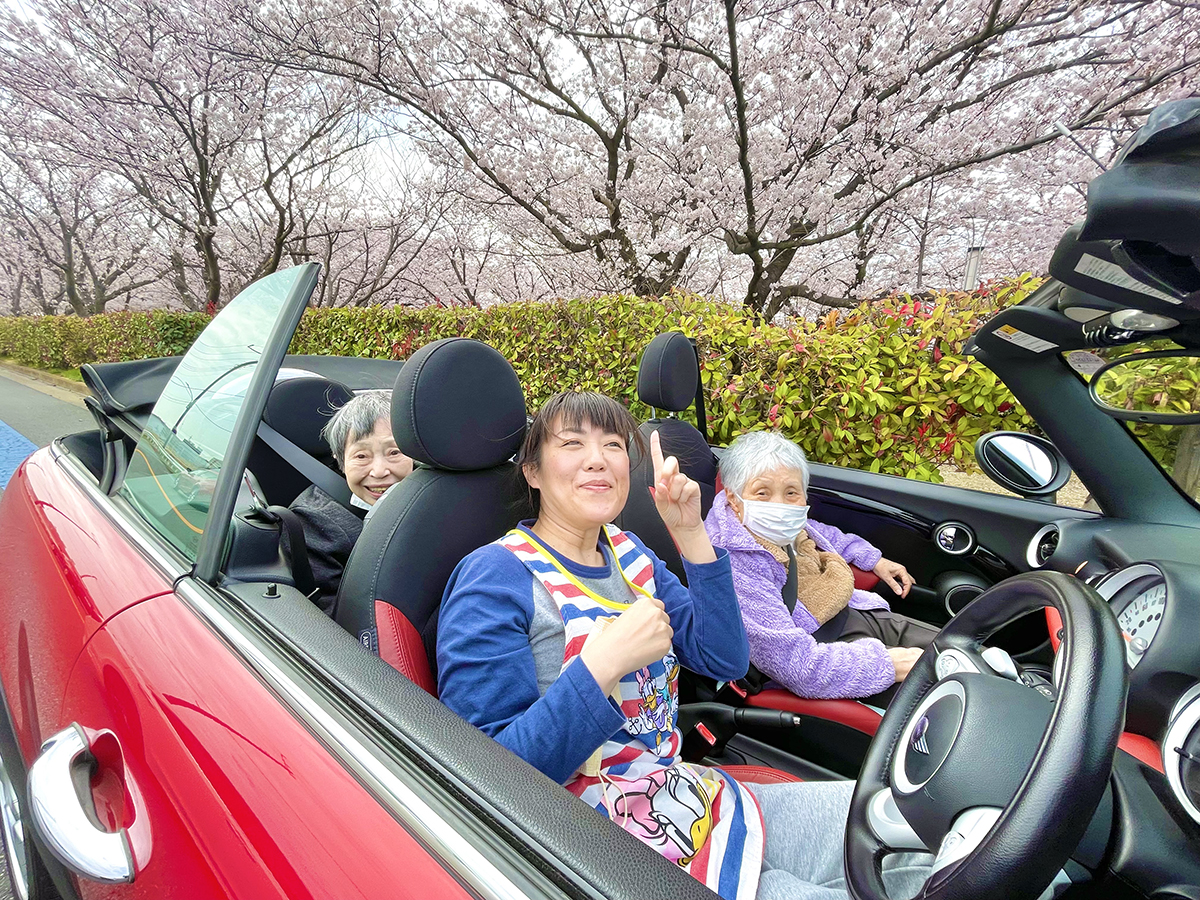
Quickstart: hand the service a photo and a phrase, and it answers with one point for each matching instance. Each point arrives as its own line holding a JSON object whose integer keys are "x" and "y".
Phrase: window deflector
{"x": 211, "y": 549}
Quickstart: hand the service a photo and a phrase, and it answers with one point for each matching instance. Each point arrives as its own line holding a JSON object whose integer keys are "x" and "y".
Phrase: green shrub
{"x": 884, "y": 388}
{"x": 65, "y": 342}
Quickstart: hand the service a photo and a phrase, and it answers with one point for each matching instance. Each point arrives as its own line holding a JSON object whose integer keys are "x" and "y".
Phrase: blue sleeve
{"x": 709, "y": 635}
{"x": 486, "y": 671}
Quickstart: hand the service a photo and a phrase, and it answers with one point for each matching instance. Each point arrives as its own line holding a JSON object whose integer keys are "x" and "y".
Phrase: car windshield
{"x": 1176, "y": 448}
{"x": 174, "y": 469}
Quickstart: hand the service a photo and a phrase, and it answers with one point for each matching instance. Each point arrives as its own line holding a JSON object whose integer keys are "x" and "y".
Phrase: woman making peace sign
{"x": 563, "y": 641}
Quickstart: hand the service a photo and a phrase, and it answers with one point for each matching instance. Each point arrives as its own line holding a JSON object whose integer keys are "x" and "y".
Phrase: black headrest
{"x": 298, "y": 408}
{"x": 458, "y": 405}
{"x": 668, "y": 372}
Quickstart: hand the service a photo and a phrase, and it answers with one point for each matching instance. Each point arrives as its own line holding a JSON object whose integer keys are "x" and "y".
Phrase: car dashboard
{"x": 1150, "y": 575}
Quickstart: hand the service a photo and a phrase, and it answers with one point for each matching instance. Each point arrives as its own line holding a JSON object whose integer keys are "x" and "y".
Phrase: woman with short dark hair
{"x": 563, "y": 640}
{"x": 359, "y": 435}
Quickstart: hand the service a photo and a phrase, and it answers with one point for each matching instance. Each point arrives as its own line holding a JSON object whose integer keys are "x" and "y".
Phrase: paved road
{"x": 32, "y": 414}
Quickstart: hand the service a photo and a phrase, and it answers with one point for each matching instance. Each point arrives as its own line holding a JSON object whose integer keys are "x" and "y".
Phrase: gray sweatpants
{"x": 806, "y": 827}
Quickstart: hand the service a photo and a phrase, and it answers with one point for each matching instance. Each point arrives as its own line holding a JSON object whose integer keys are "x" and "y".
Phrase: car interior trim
{"x": 459, "y": 855}
{"x": 904, "y": 517}
{"x": 889, "y": 824}
{"x": 1031, "y": 552}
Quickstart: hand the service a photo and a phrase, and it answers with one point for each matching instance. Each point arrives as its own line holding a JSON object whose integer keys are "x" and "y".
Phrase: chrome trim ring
{"x": 940, "y": 691}
{"x": 1184, "y": 718}
{"x": 946, "y": 526}
{"x": 1113, "y": 582}
{"x": 1031, "y": 550}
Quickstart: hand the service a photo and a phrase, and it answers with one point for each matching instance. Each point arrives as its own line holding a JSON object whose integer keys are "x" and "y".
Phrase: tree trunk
{"x": 1186, "y": 470}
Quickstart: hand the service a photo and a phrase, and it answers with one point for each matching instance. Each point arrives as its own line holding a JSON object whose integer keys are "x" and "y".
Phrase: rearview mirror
{"x": 1022, "y": 463}
{"x": 1161, "y": 388}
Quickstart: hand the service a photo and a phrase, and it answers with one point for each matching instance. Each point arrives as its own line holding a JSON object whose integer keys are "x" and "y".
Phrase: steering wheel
{"x": 997, "y": 779}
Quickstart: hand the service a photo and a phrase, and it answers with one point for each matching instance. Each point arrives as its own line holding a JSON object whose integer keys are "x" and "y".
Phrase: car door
{"x": 216, "y": 787}
{"x": 954, "y": 541}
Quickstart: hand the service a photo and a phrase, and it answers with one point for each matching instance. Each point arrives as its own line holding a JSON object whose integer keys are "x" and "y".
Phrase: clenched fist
{"x": 639, "y": 636}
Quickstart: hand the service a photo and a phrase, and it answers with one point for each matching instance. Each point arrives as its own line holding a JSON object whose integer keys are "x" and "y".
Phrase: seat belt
{"x": 789, "y": 586}
{"x": 311, "y": 468}
{"x": 293, "y": 529}
{"x": 827, "y": 633}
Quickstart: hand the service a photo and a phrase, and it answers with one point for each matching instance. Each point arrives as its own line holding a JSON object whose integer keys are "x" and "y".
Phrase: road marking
{"x": 14, "y": 447}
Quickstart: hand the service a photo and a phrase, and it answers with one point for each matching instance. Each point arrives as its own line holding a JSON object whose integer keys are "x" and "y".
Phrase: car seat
{"x": 668, "y": 376}
{"x": 297, "y": 409}
{"x": 458, "y": 410}
{"x": 669, "y": 379}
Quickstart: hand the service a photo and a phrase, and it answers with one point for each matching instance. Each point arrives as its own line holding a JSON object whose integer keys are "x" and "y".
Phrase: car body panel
{"x": 224, "y": 790}
{"x": 67, "y": 570}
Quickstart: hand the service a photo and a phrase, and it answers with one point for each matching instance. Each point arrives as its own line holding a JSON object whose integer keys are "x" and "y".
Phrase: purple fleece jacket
{"x": 782, "y": 645}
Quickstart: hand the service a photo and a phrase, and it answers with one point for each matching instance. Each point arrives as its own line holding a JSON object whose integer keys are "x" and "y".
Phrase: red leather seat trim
{"x": 864, "y": 581}
{"x": 1141, "y": 748}
{"x": 1054, "y": 626}
{"x": 401, "y": 647}
{"x": 760, "y": 775}
{"x": 846, "y": 712}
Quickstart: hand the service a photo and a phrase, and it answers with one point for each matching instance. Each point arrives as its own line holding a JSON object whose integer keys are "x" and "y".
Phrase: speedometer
{"x": 1140, "y": 620}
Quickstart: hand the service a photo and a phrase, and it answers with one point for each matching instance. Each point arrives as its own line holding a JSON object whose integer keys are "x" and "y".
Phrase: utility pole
{"x": 971, "y": 275}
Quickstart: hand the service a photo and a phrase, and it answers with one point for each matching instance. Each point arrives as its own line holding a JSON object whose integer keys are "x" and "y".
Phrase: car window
{"x": 174, "y": 469}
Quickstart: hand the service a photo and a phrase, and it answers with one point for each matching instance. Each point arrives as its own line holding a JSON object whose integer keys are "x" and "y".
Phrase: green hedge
{"x": 65, "y": 342}
{"x": 884, "y": 388}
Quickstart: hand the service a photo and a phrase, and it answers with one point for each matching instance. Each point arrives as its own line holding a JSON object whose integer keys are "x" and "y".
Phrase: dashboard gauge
{"x": 1140, "y": 620}
{"x": 1138, "y": 596}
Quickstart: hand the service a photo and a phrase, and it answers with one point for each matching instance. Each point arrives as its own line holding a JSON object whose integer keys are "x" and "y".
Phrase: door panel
{"x": 898, "y": 515}
{"x": 235, "y": 798}
{"x": 66, "y": 571}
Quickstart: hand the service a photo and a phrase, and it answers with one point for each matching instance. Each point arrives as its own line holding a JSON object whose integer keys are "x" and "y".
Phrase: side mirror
{"x": 1022, "y": 463}
{"x": 1160, "y": 388}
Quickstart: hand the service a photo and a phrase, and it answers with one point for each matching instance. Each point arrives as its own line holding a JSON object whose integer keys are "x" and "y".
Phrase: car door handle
{"x": 57, "y": 779}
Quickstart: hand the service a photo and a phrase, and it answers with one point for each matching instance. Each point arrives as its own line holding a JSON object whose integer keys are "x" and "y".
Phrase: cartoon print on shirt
{"x": 656, "y": 807}
{"x": 657, "y": 702}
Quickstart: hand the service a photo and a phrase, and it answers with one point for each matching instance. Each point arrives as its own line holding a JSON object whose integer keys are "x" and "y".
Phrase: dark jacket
{"x": 330, "y": 531}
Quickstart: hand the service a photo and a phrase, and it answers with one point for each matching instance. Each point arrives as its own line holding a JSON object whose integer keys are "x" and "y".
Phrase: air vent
{"x": 1181, "y": 752}
{"x": 1042, "y": 547}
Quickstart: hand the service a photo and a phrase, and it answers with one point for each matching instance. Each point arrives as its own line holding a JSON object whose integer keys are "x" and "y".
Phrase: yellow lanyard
{"x": 603, "y": 601}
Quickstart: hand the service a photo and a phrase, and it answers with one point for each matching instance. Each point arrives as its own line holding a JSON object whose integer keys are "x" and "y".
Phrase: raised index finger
{"x": 656, "y": 455}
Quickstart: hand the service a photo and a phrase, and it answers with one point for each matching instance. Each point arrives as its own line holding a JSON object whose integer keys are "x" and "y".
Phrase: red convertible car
{"x": 179, "y": 720}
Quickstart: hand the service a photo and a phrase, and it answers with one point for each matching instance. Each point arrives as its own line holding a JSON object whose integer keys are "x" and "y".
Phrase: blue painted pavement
{"x": 14, "y": 447}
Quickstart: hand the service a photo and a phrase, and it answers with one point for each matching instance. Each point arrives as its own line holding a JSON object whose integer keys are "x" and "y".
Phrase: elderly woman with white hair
{"x": 359, "y": 435}
{"x": 838, "y": 641}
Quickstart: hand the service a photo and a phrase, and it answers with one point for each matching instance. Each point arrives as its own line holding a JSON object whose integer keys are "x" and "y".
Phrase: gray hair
{"x": 760, "y": 451}
{"x": 355, "y": 420}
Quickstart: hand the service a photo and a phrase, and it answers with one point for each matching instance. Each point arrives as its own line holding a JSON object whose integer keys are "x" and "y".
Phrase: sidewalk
{"x": 54, "y": 385}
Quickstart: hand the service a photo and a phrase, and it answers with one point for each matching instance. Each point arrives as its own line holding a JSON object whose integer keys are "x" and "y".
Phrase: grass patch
{"x": 69, "y": 374}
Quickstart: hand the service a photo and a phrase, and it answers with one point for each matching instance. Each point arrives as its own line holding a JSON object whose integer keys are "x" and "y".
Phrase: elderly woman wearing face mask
{"x": 838, "y": 642}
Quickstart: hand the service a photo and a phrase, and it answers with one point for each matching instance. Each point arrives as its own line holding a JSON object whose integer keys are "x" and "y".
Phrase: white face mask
{"x": 779, "y": 523}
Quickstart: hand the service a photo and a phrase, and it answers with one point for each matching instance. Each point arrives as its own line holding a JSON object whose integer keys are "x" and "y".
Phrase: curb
{"x": 46, "y": 378}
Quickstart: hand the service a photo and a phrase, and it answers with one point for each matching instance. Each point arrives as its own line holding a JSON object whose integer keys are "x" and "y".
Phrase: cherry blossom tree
{"x": 72, "y": 239}
{"x": 641, "y": 136}
{"x": 205, "y": 139}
